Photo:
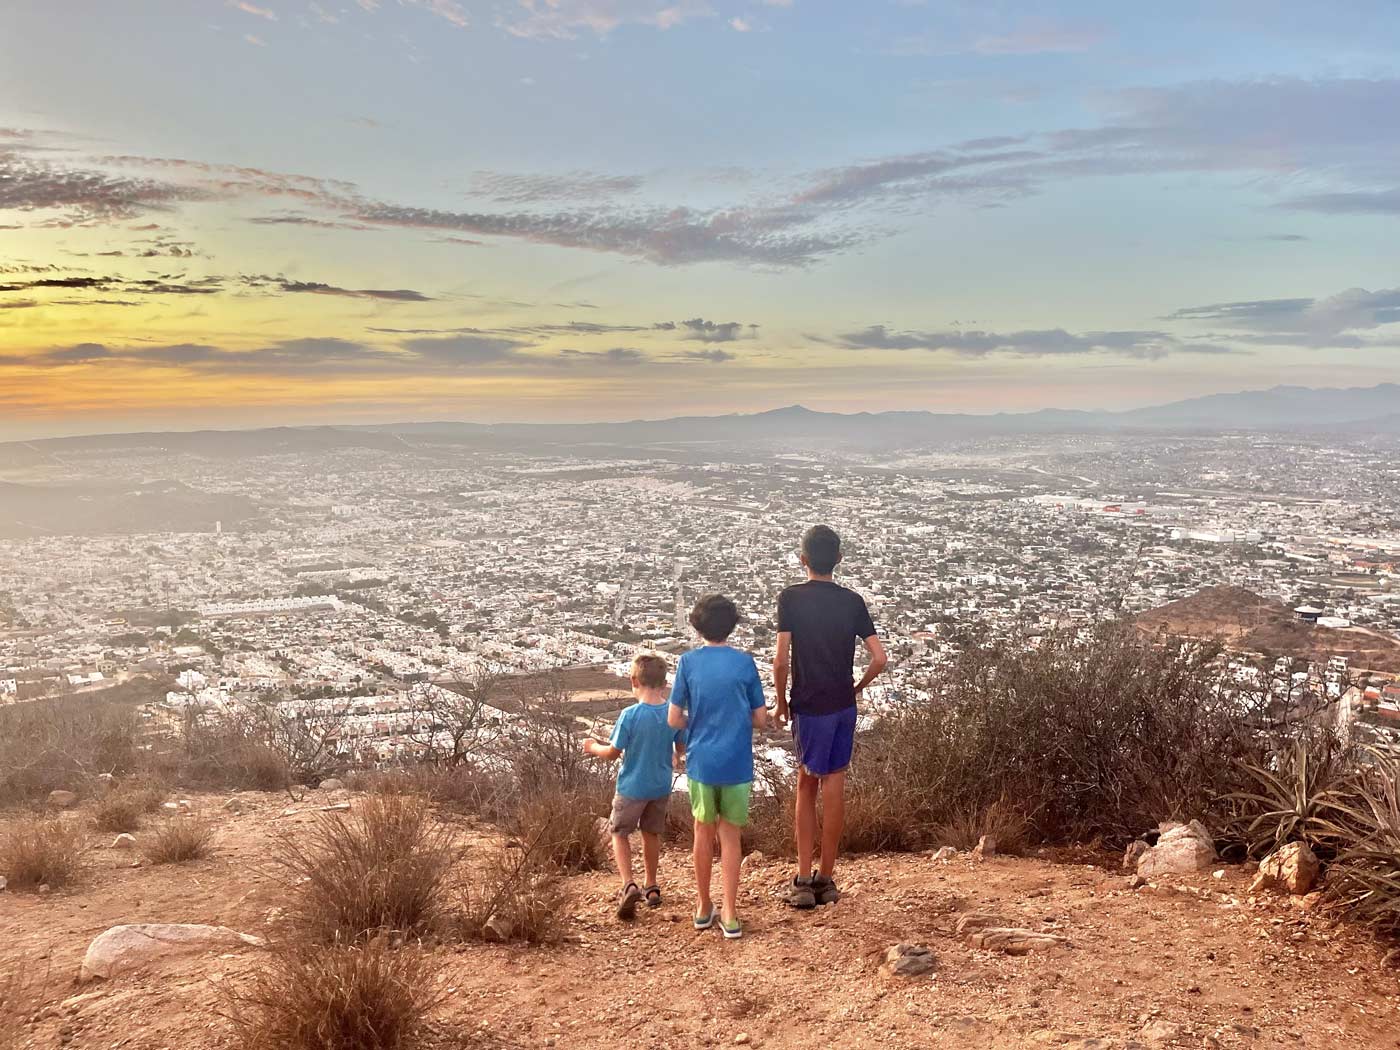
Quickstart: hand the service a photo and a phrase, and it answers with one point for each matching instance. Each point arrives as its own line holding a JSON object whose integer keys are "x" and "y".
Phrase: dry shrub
{"x": 58, "y": 743}
{"x": 178, "y": 840}
{"x": 119, "y": 811}
{"x": 512, "y": 896}
{"x": 367, "y": 996}
{"x": 466, "y": 788}
{"x": 36, "y": 852}
{"x": 879, "y": 816}
{"x": 1002, "y": 821}
{"x": 561, "y": 829}
{"x": 382, "y": 868}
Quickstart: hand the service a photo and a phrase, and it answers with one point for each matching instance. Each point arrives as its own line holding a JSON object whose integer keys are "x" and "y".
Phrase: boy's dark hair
{"x": 714, "y": 616}
{"x": 650, "y": 670}
{"x": 822, "y": 548}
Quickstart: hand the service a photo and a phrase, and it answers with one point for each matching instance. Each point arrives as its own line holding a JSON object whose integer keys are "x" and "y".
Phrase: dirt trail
{"x": 1190, "y": 963}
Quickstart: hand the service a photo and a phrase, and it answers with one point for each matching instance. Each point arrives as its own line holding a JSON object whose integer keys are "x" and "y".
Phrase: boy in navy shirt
{"x": 718, "y": 699}
{"x": 646, "y": 743}
{"x": 819, "y": 623}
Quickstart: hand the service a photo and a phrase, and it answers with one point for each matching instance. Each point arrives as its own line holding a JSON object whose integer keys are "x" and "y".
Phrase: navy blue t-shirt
{"x": 825, "y": 620}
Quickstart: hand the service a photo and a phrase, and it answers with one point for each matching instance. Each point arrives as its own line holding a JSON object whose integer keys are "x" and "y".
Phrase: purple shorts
{"x": 825, "y": 742}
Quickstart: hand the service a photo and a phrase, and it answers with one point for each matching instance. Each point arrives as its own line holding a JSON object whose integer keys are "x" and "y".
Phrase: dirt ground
{"x": 1190, "y": 963}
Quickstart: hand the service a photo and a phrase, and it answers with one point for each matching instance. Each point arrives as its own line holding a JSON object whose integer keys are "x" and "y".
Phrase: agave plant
{"x": 1365, "y": 878}
{"x": 1305, "y": 794}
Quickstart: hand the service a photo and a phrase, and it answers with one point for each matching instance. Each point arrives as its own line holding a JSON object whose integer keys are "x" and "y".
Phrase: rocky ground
{"x": 1184, "y": 960}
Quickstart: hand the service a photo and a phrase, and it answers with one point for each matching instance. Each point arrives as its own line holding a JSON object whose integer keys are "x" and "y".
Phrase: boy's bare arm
{"x": 675, "y": 717}
{"x": 782, "y": 662}
{"x": 878, "y": 660}
{"x": 760, "y": 717}
{"x": 597, "y": 749}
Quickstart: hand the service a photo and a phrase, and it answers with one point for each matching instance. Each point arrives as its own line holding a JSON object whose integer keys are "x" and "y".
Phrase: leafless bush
{"x": 119, "y": 811}
{"x": 178, "y": 841}
{"x": 563, "y": 826}
{"x": 308, "y": 996}
{"x": 35, "y": 852}
{"x": 62, "y": 742}
{"x": 512, "y": 895}
{"x": 382, "y": 868}
{"x": 1002, "y": 821}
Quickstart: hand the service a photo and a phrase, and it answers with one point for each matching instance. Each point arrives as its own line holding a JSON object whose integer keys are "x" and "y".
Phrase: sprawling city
{"x": 380, "y": 576}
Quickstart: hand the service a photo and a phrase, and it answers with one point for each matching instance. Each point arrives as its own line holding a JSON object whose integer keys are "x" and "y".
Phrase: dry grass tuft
{"x": 383, "y": 868}
{"x": 1001, "y": 820}
{"x": 178, "y": 840}
{"x": 119, "y": 811}
{"x": 562, "y": 827}
{"x": 512, "y": 897}
{"x": 367, "y": 996}
{"x": 36, "y": 852}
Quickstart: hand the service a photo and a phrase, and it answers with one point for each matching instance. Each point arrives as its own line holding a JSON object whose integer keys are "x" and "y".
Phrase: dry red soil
{"x": 1190, "y": 963}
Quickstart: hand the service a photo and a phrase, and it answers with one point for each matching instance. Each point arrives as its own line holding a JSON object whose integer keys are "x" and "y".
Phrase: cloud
{"x": 564, "y": 19}
{"x": 253, "y": 9}
{"x": 306, "y": 220}
{"x": 713, "y": 332}
{"x": 255, "y": 40}
{"x": 466, "y": 349}
{"x": 19, "y": 304}
{"x": 740, "y": 25}
{"x": 618, "y": 355}
{"x": 715, "y": 355}
{"x": 1354, "y": 202}
{"x": 1049, "y": 342}
{"x": 402, "y": 295}
{"x": 666, "y": 236}
{"x": 1037, "y": 37}
{"x": 86, "y": 196}
{"x": 1331, "y": 322}
{"x": 509, "y": 188}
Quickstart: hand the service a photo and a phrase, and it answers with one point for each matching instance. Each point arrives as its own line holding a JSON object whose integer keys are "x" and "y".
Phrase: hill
{"x": 1188, "y": 961}
{"x": 1241, "y": 619}
{"x": 1353, "y": 411}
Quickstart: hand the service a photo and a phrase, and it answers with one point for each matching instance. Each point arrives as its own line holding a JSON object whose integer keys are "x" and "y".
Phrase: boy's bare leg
{"x": 833, "y": 818}
{"x": 651, "y": 855}
{"x": 622, "y": 853}
{"x": 704, "y": 854}
{"x": 805, "y": 821}
{"x": 731, "y": 854}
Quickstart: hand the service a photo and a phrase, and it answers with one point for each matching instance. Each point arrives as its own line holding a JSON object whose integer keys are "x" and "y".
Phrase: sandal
{"x": 653, "y": 895}
{"x": 627, "y": 906}
{"x": 704, "y": 922}
{"x": 732, "y": 931}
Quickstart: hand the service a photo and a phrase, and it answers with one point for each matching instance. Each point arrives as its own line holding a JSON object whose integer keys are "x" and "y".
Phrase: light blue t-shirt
{"x": 719, "y": 690}
{"x": 646, "y": 743}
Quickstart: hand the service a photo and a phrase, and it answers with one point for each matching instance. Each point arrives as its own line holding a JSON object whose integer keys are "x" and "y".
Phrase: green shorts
{"x": 730, "y": 802}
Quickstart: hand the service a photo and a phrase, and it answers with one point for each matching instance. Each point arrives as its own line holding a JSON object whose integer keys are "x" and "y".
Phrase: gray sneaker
{"x": 824, "y": 889}
{"x": 800, "y": 893}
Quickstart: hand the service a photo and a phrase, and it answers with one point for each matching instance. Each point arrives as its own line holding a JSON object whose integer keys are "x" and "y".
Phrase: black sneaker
{"x": 800, "y": 893}
{"x": 825, "y": 891}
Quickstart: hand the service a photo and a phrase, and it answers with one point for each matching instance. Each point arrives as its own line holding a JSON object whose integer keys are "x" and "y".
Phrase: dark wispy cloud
{"x": 715, "y": 331}
{"x": 307, "y": 220}
{"x": 618, "y": 355}
{"x": 507, "y": 188}
{"x": 1351, "y": 202}
{"x": 83, "y": 196}
{"x": 400, "y": 295}
{"x": 1335, "y": 321}
{"x": 713, "y": 355}
{"x": 1046, "y": 342}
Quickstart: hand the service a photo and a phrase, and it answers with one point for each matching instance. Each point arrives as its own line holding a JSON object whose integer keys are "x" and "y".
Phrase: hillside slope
{"x": 1192, "y": 963}
{"x": 1244, "y": 620}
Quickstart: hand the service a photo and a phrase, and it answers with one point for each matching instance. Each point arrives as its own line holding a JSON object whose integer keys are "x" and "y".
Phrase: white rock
{"x": 945, "y": 854}
{"x": 62, "y": 799}
{"x": 1133, "y": 854}
{"x": 333, "y": 784}
{"x": 124, "y": 841}
{"x": 986, "y": 847}
{"x": 123, "y": 949}
{"x": 1182, "y": 850}
{"x": 233, "y": 805}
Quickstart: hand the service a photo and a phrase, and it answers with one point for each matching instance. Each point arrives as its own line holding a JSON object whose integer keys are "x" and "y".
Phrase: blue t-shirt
{"x": 646, "y": 743}
{"x": 719, "y": 690}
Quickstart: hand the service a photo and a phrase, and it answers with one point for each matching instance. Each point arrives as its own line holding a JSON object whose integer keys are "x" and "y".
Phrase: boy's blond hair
{"x": 649, "y": 670}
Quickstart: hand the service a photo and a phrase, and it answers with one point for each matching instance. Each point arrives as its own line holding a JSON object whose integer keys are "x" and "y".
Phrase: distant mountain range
{"x": 1356, "y": 411}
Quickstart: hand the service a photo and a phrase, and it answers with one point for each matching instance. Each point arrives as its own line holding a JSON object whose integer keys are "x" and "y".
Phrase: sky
{"x": 235, "y": 213}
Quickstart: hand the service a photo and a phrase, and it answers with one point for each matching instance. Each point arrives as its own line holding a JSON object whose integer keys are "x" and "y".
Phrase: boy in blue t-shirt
{"x": 718, "y": 699}
{"x": 646, "y": 743}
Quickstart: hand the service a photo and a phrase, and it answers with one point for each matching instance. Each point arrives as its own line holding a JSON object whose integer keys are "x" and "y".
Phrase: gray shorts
{"x": 629, "y": 814}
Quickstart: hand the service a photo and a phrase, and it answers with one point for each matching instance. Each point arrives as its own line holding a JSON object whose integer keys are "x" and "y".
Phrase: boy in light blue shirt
{"x": 718, "y": 699}
{"x": 650, "y": 749}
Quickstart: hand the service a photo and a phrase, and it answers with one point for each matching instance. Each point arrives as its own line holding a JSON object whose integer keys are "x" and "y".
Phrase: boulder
{"x": 908, "y": 960}
{"x": 1012, "y": 941}
{"x": 332, "y": 784}
{"x": 986, "y": 847}
{"x": 1134, "y": 853}
{"x": 62, "y": 799}
{"x": 1182, "y": 849}
{"x": 123, "y": 949}
{"x": 124, "y": 841}
{"x": 1291, "y": 868}
{"x": 233, "y": 805}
